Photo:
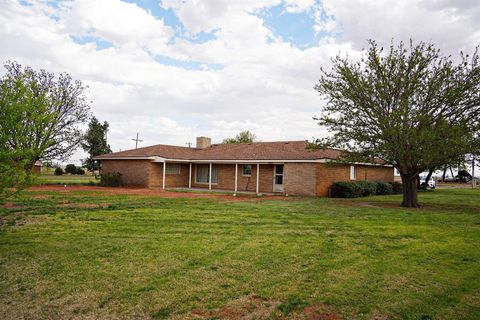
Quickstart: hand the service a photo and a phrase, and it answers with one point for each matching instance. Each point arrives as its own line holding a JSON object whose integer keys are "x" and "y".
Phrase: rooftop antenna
{"x": 136, "y": 141}
{"x": 189, "y": 144}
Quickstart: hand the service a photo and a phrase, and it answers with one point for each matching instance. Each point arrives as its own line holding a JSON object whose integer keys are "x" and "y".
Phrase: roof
{"x": 279, "y": 150}
{"x": 38, "y": 163}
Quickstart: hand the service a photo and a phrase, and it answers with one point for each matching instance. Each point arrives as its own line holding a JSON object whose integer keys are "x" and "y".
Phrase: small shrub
{"x": 80, "y": 171}
{"x": 368, "y": 188}
{"x": 71, "y": 168}
{"x": 384, "y": 188}
{"x": 397, "y": 187}
{"x": 345, "y": 190}
{"x": 58, "y": 171}
{"x": 111, "y": 179}
{"x": 355, "y": 189}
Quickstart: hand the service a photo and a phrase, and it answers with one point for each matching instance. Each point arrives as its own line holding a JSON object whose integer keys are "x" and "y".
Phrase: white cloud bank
{"x": 264, "y": 84}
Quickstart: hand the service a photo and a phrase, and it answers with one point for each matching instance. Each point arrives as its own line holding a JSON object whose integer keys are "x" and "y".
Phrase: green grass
{"x": 67, "y": 179}
{"x": 93, "y": 255}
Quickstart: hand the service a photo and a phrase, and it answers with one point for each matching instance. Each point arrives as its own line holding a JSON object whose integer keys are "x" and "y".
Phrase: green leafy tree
{"x": 409, "y": 106}
{"x": 71, "y": 168}
{"x": 242, "y": 137}
{"x": 40, "y": 118}
{"x": 95, "y": 143}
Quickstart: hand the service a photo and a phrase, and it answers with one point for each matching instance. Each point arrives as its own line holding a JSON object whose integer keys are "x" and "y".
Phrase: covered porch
{"x": 228, "y": 176}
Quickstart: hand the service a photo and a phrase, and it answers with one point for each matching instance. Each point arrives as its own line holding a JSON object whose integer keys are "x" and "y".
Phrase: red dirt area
{"x": 154, "y": 192}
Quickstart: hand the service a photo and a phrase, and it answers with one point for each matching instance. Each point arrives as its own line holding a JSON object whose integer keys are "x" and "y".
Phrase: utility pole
{"x": 189, "y": 144}
{"x": 136, "y": 141}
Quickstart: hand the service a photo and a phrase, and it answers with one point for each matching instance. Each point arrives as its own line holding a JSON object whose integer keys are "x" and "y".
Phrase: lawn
{"x": 67, "y": 179}
{"x": 90, "y": 254}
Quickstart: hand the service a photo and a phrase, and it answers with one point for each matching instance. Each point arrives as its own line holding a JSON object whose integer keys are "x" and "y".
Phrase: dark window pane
{"x": 279, "y": 169}
{"x": 278, "y": 179}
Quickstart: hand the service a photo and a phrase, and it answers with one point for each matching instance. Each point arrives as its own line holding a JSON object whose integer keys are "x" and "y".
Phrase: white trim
{"x": 190, "y": 176}
{"x": 275, "y": 177}
{"x": 129, "y": 158}
{"x": 210, "y": 177}
{"x": 236, "y": 177}
{"x": 353, "y": 172}
{"x": 163, "y": 173}
{"x": 258, "y": 176}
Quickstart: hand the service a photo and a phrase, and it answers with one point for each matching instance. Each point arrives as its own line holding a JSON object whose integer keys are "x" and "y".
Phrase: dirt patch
{"x": 254, "y": 307}
{"x": 20, "y": 219}
{"x": 102, "y": 191}
{"x": 319, "y": 312}
{"x": 243, "y": 308}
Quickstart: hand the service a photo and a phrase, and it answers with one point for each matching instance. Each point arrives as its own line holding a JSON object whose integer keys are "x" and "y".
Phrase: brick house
{"x": 285, "y": 167}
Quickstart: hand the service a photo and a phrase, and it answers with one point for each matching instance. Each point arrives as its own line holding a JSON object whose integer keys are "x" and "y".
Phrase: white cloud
{"x": 115, "y": 21}
{"x": 265, "y": 84}
{"x": 297, "y": 6}
{"x": 451, "y": 25}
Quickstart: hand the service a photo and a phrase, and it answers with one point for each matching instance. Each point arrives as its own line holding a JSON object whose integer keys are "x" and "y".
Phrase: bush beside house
{"x": 111, "y": 179}
{"x": 355, "y": 189}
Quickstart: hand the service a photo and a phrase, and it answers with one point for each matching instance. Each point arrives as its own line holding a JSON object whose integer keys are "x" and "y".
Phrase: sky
{"x": 173, "y": 70}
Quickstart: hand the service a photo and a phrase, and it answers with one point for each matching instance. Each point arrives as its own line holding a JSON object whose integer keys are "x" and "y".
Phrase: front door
{"x": 278, "y": 178}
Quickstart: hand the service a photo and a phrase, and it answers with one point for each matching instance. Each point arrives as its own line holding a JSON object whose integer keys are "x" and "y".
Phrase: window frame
{"x": 243, "y": 170}
{"x": 173, "y": 165}
{"x": 353, "y": 172}
{"x": 214, "y": 169}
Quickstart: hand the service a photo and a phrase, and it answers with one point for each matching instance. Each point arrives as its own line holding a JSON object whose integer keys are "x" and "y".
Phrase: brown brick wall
{"x": 299, "y": 178}
{"x": 134, "y": 172}
{"x": 329, "y": 173}
{"x": 171, "y": 180}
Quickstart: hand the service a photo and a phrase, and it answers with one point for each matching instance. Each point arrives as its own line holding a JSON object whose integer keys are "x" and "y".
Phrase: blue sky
{"x": 296, "y": 28}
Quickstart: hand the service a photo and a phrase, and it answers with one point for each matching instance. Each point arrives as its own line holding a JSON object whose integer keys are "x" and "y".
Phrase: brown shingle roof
{"x": 281, "y": 150}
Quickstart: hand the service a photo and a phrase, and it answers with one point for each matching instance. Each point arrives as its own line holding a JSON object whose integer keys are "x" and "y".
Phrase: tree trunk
{"x": 444, "y": 173}
{"x": 473, "y": 172}
{"x": 429, "y": 176}
{"x": 409, "y": 183}
{"x": 451, "y": 171}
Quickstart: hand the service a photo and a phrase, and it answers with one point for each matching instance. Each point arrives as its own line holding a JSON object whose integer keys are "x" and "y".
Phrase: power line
{"x": 137, "y": 141}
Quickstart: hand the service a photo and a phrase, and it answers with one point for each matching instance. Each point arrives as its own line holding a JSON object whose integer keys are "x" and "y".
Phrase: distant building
{"x": 37, "y": 167}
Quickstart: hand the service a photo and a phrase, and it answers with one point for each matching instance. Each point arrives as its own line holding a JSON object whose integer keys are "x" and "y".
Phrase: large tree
{"x": 40, "y": 118}
{"x": 95, "y": 143}
{"x": 409, "y": 105}
{"x": 242, "y": 137}
{"x": 48, "y": 113}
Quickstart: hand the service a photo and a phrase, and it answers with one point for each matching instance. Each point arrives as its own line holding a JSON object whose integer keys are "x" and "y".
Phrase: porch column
{"x": 258, "y": 176}
{"x": 163, "y": 174}
{"x": 210, "y": 177}
{"x": 236, "y": 177}
{"x": 190, "y": 176}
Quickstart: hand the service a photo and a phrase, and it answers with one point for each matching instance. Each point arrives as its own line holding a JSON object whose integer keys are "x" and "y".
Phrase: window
{"x": 353, "y": 173}
{"x": 202, "y": 173}
{"x": 247, "y": 170}
{"x": 172, "y": 168}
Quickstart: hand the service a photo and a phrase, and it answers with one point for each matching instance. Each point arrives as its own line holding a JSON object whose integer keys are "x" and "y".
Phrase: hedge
{"x": 355, "y": 189}
{"x": 111, "y": 179}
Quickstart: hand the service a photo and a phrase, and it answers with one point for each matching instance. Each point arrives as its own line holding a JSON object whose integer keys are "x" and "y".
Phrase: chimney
{"x": 203, "y": 142}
